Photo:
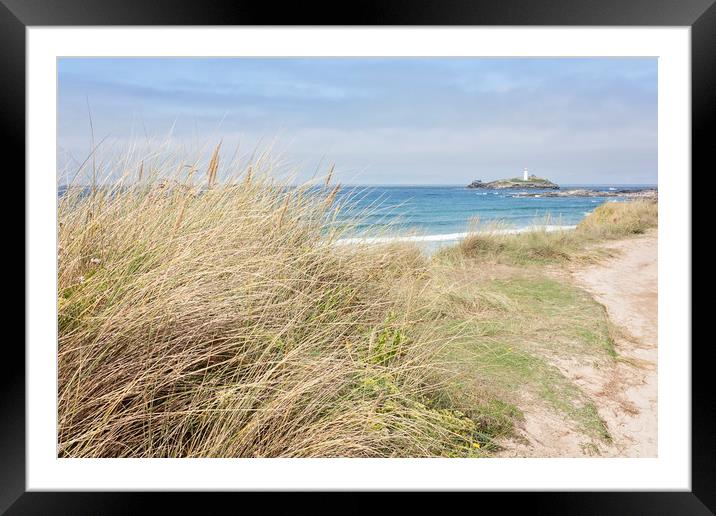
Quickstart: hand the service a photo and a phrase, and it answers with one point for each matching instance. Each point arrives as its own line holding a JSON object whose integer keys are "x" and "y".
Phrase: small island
{"x": 527, "y": 181}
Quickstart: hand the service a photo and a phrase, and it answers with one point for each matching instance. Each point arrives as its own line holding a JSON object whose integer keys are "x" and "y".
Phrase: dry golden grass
{"x": 610, "y": 220}
{"x": 618, "y": 219}
{"x": 218, "y": 320}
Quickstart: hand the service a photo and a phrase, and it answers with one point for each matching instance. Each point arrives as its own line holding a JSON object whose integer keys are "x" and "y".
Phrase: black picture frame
{"x": 17, "y": 15}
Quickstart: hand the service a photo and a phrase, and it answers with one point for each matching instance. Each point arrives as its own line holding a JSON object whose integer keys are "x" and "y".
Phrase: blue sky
{"x": 380, "y": 120}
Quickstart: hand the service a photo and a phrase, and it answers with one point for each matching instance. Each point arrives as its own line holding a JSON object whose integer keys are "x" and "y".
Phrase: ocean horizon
{"x": 445, "y": 213}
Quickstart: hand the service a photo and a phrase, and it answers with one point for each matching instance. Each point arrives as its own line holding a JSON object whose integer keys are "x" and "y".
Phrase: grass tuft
{"x": 540, "y": 247}
{"x": 220, "y": 321}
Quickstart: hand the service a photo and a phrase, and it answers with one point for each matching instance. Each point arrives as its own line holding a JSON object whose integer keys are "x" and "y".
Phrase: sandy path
{"x": 625, "y": 392}
{"x": 627, "y": 287}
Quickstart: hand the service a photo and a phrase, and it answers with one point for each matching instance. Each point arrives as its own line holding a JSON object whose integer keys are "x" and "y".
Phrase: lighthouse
{"x": 525, "y": 175}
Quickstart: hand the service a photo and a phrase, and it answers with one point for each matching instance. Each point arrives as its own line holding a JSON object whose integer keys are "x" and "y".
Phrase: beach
{"x": 449, "y": 237}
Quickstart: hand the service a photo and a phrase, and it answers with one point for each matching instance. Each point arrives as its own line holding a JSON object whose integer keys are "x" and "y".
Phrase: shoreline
{"x": 449, "y": 237}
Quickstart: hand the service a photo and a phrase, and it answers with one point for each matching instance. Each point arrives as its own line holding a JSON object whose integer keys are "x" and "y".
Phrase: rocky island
{"x": 516, "y": 182}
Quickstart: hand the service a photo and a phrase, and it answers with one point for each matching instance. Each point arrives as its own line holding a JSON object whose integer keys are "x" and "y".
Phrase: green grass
{"x": 506, "y": 332}
{"x": 570, "y": 311}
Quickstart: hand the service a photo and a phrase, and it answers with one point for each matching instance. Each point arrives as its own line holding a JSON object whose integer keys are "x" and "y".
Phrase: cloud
{"x": 383, "y": 120}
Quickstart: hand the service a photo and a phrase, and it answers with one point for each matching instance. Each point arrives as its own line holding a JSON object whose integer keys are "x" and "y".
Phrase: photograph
{"x": 357, "y": 257}
{"x": 440, "y": 249}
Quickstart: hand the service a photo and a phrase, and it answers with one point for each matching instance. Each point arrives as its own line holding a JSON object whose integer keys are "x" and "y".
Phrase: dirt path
{"x": 625, "y": 393}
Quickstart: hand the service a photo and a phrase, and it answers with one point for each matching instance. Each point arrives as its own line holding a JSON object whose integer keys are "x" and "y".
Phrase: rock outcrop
{"x": 651, "y": 193}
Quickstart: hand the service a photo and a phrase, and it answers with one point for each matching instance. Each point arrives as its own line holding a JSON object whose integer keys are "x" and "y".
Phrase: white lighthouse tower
{"x": 525, "y": 175}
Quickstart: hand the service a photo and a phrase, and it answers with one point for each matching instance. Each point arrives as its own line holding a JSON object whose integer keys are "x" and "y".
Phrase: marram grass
{"x": 216, "y": 319}
{"x": 539, "y": 247}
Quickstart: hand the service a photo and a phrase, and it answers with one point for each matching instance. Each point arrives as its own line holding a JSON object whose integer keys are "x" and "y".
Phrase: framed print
{"x": 422, "y": 247}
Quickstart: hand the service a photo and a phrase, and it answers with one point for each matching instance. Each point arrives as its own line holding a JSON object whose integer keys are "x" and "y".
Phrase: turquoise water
{"x": 443, "y": 214}
{"x": 436, "y": 212}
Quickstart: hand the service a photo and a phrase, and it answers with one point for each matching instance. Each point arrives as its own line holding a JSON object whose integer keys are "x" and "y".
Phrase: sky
{"x": 380, "y": 120}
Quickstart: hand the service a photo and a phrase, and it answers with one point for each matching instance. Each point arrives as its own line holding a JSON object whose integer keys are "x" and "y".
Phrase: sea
{"x": 444, "y": 214}
{"x": 439, "y": 215}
